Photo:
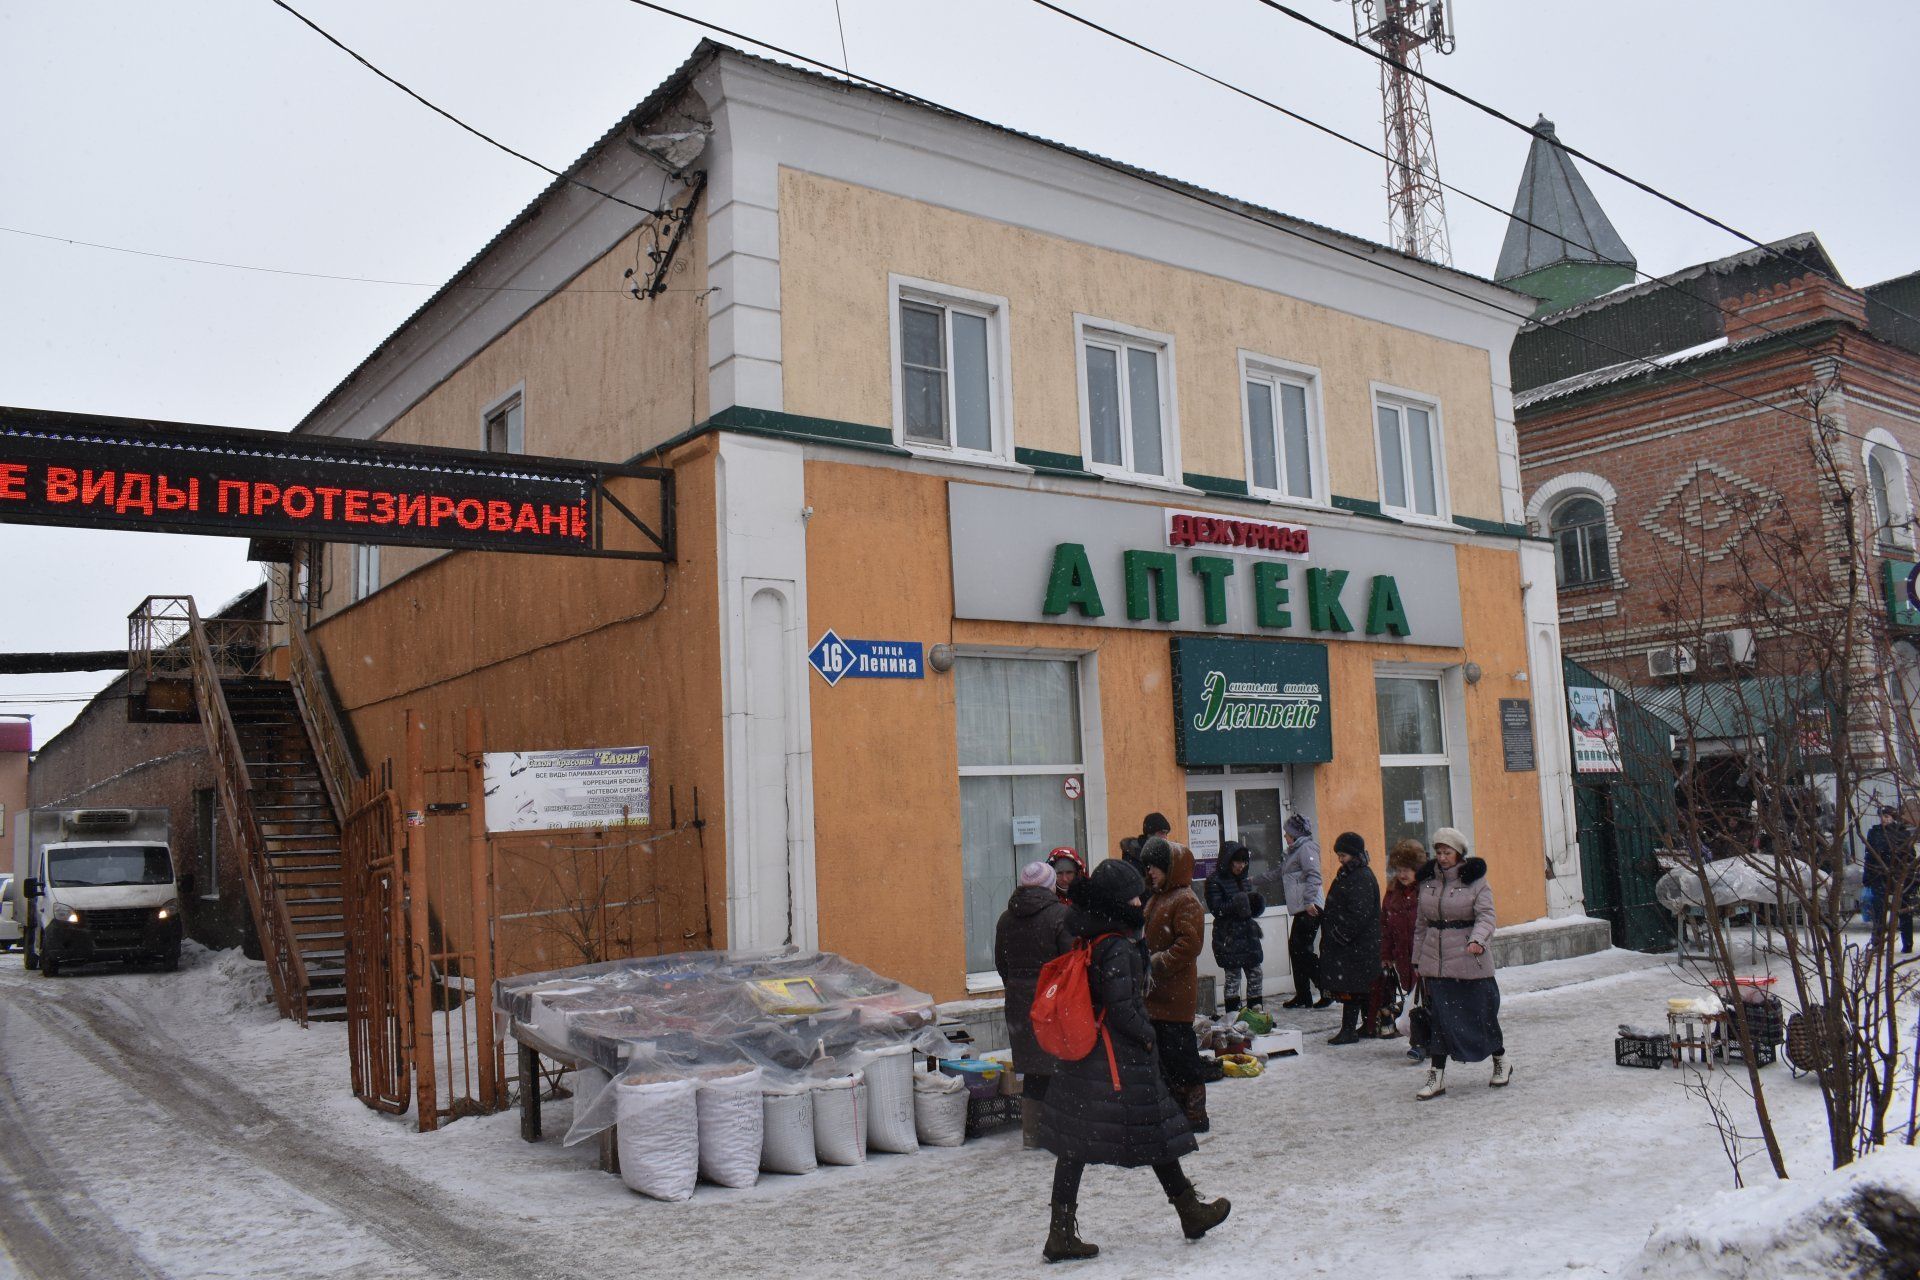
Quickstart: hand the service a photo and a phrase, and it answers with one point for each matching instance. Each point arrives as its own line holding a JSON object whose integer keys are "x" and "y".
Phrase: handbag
{"x": 1419, "y": 1020}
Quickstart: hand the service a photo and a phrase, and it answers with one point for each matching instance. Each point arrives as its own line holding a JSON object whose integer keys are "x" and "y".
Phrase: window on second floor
{"x": 1126, "y": 402}
{"x": 1580, "y": 546}
{"x": 366, "y": 572}
{"x": 1283, "y": 431}
{"x": 1890, "y": 507}
{"x": 1407, "y": 437}
{"x": 948, "y": 376}
{"x": 505, "y": 430}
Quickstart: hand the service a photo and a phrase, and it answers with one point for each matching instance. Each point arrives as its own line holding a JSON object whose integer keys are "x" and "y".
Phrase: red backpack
{"x": 1062, "y": 1017}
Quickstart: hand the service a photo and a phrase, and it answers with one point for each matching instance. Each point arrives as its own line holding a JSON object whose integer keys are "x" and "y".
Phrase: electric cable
{"x": 1330, "y": 131}
{"x": 448, "y": 115}
{"x": 1220, "y": 204}
{"x": 1601, "y": 165}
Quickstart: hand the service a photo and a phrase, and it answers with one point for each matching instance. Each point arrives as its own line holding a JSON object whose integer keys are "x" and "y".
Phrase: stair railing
{"x": 163, "y": 616}
{"x": 332, "y": 747}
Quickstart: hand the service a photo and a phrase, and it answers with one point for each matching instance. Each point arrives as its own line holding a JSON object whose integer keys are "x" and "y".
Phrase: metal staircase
{"x": 283, "y": 766}
{"x": 299, "y": 834}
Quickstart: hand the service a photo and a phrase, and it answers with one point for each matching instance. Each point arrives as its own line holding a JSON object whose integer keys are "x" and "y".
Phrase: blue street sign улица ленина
{"x": 837, "y": 659}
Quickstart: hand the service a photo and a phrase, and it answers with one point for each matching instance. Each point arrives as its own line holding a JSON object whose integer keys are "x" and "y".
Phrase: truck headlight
{"x": 66, "y": 914}
{"x": 169, "y": 911}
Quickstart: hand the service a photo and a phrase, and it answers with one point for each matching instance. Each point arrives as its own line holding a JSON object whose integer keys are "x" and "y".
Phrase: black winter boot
{"x": 1197, "y": 1216}
{"x": 1232, "y": 1007}
{"x": 1349, "y": 1024}
{"x": 1063, "y": 1237}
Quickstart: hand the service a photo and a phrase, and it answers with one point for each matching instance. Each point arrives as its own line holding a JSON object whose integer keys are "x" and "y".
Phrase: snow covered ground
{"x": 170, "y": 1125}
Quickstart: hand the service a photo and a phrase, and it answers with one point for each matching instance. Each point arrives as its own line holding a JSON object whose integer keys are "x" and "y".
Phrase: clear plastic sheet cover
{"x": 797, "y": 1015}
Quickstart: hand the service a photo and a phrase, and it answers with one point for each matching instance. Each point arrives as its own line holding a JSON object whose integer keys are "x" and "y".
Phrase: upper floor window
{"x": 1891, "y": 509}
{"x": 1126, "y": 401}
{"x": 1579, "y": 531}
{"x": 505, "y": 430}
{"x": 366, "y": 572}
{"x": 1284, "y": 444}
{"x": 1412, "y": 474}
{"x": 949, "y": 349}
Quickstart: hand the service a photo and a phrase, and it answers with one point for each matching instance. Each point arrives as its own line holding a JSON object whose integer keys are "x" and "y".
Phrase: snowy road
{"x": 156, "y": 1125}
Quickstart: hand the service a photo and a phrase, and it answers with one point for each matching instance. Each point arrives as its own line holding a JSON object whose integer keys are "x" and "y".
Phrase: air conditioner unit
{"x": 1739, "y": 646}
{"x": 1676, "y": 661}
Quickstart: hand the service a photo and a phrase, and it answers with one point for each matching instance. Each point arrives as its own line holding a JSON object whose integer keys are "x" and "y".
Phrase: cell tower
{"x": 1400, "y": 29}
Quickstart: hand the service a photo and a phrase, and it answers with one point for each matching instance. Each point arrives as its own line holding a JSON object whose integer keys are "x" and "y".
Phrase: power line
{"x": 289, "y": 271}
{"x": 1332, "y": 132}
{"x": 1601, "y": 165}
{"x": 448, "y": 115}
{"x": 1191, "y": 193}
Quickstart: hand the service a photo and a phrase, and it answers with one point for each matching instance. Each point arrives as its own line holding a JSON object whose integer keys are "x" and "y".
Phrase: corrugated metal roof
{"x": 1758, "y": 706}
{"x": 1568, "y": 223}
{"x": 709, "y": 50}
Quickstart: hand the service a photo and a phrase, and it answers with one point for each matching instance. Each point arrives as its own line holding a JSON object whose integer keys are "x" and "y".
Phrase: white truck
{"x": 96, "y": 884}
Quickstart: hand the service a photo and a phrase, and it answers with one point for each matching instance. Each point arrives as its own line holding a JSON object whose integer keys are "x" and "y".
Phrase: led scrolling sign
{"x": 167, "y": 477}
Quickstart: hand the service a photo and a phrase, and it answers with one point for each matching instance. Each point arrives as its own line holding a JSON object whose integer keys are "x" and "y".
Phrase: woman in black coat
{"x": 1032, "y": 930}
{"x": 1350, "y": 935}
{"x": 1236, "y": 909}
{"x": 1086, "y": 1119}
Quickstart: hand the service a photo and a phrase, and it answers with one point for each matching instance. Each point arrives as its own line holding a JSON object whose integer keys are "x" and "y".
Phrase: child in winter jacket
{"x": 1236, "y": 909}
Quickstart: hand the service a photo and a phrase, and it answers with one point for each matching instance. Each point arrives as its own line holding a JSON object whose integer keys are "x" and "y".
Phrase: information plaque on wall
{"x": 1516, "y": 733}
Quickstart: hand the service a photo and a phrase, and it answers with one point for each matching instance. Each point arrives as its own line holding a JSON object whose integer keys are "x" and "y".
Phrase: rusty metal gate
{"x": 379, "y": 1030}
{"x": 429, "y": 929}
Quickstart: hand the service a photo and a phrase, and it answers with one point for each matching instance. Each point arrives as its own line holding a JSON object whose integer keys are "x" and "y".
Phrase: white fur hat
{"x": 1452, "y": 837}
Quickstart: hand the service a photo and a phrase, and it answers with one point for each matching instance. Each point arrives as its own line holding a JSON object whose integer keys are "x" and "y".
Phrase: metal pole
{"x": 419, "y": 987}
{"x": 486, "y": 1052}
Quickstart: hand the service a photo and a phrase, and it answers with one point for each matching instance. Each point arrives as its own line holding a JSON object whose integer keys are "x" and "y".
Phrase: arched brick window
{"x": 1578, "y": 527}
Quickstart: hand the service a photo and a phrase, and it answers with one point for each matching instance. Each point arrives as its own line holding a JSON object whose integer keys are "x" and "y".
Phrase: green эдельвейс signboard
{"x": 1241, "y": 701}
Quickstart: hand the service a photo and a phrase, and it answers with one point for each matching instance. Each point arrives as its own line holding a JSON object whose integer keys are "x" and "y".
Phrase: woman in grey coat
{"x": 1300, "y": 880}
{"x": 1452, "y": 954}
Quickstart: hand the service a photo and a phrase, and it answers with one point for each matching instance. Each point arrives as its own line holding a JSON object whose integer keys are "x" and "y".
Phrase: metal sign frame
{"x": 88, "y": 471}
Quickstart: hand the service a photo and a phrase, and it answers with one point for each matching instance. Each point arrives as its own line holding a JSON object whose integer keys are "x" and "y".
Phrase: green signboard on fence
{"x": 1250, "y": 702}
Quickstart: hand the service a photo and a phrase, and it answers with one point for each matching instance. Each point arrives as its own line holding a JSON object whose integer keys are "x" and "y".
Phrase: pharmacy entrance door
{"x": 1248, "y": 804}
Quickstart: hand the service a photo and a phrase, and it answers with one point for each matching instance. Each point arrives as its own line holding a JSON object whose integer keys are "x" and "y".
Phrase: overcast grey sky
{"x": 224, "y": 129}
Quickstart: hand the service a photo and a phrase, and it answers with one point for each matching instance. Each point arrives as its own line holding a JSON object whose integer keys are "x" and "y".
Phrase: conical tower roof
{"x": 1568, "y": 224}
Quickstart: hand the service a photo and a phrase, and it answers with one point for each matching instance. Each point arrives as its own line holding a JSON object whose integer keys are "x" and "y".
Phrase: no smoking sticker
{"x": 1073, "y": 787}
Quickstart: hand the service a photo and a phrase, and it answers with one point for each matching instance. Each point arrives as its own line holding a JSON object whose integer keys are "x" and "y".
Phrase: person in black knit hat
{"x": 1350, "y": 935}
{"x": 1086, "y": 1120}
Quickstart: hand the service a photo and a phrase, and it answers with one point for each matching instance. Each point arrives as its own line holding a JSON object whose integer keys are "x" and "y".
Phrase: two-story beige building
{"x": 1019, "y": 494}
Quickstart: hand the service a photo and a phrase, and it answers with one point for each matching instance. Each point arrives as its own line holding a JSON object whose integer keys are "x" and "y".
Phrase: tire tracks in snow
{"x": 407, "y": 1214}
{"x": 48, "y": 1226}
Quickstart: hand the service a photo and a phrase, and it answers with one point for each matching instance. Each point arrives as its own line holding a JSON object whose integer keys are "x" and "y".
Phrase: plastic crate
{"x": 1764, "y": 1052}
{"x": 987, "y": 1114}
{"x": 1640, "y": 1051}
{"x": 1766, "y": 1022}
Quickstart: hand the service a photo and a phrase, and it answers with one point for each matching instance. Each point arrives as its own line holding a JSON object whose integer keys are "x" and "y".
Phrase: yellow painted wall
{"x": 839, "y": 242}
{"x": 605, "y": 376}
{"x": 886, "y": 780}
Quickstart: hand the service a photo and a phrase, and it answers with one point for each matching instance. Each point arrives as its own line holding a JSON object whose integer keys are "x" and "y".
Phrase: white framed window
{"x": 1128, "y": 424}
{"x": 1022, "y": 733}
{"x": 1578, "y": 526}
{"x": 1412, "y": 459}
{"x": 951, "y": 353}
{"x": 1416, "y": 766}
{"x": 503, "y": 424}
{"x": 366, "y": 572}
{"x": 1889, "y": 497}
{"x": 1286, "y": 442}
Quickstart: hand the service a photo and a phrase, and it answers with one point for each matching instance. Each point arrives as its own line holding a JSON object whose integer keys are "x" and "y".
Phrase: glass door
{"x": 1244, "y": 803}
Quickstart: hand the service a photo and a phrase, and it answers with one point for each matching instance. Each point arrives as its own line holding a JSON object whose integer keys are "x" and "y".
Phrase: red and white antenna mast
{"x": 1400, "y": 29}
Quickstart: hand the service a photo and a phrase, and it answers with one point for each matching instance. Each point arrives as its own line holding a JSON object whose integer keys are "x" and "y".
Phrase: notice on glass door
{"x": 1203, "y": 837}
{"x": 1026, "y": 829}
{"x": 1414, "y": 811}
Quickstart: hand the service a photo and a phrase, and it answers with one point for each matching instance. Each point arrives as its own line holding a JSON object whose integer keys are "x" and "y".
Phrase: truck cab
{"x": 102, "y": 887}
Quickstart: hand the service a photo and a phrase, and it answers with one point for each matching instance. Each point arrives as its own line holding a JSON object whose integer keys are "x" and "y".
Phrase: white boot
{"x": 1435, "y": 1086}
{"x": 1502, "y": 1072}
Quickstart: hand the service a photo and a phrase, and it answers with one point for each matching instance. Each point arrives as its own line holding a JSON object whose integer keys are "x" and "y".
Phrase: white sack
{"x": 839, "y": 1120}
{"x": 939, "y": 1108}
{"x": 660, "y": 1137}
{"x": 787, "y": 1139}
{"x": 732, "y": 1123}
{"x": 890, "y": 1125}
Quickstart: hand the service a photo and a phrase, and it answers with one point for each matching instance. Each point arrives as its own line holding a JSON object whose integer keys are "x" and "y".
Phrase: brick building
{"x": 105, "y": 760}
{"x": 1662, "y": 422}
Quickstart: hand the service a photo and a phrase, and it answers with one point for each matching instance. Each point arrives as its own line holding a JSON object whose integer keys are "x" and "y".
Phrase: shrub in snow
{"x": 1857, "y": 1223}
